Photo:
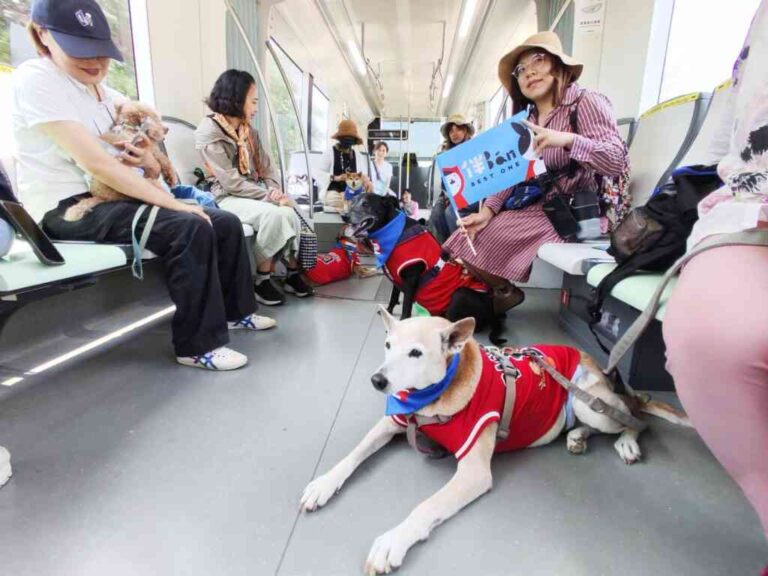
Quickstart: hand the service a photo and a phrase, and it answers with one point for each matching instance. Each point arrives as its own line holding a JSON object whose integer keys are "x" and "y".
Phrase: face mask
{"x": 347, "y": 141}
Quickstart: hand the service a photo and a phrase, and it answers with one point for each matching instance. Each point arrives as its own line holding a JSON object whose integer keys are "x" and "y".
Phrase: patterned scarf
{"x": 242, "y": 138}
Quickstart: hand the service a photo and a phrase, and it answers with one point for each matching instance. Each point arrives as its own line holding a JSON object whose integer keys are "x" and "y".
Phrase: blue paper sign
{"x": 490, "y": 162}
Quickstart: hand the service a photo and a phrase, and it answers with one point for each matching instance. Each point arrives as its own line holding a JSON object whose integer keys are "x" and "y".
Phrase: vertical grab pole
{"x": 263, "y": 83}
{"x": 296, "y": 111}
{"x": 400, "y": 152}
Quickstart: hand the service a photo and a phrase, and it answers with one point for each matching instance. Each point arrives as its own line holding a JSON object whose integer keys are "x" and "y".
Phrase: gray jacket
{"x": 219, "y": 152}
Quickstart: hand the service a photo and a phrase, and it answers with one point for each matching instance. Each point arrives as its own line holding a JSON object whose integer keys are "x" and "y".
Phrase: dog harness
{"x": 535, "y": 401}
{"x": 415, "y": 245}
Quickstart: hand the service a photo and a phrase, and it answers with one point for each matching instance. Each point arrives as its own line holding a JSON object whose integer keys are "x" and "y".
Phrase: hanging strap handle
{"x": 752, "y": 237}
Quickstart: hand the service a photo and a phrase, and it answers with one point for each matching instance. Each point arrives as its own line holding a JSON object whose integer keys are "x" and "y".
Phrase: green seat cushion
{"x": 21, "y": 270}
{"x": 637, "y": 290}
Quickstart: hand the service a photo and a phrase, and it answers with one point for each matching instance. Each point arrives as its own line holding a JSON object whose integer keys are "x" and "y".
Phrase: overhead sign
{"x": 490, "y": 162}
{"x": 388, "y": 134}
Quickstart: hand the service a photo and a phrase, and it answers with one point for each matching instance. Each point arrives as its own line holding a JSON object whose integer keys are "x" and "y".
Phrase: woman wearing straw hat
{"x": 456, "y": 130}
{"x": 541, "y": 78}
{"x": 340, "y": 160}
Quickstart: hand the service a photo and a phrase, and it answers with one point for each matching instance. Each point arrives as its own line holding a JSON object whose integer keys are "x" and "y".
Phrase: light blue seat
{"x": 635, "y": 291}
{"x": 21, "y": 271}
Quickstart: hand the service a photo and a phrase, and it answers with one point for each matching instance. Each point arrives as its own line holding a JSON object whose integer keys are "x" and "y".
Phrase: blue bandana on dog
{"x": 409, "y": 402}
{"x": 385, "y": 238}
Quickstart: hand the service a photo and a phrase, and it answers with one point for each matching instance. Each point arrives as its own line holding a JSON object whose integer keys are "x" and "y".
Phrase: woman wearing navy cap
{"x": 60, "y": 110}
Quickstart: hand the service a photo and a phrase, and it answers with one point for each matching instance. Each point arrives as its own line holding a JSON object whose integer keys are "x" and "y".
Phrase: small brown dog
{"x": 141, "y": 126}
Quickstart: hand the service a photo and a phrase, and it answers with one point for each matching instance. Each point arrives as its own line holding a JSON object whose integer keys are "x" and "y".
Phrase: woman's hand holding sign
{"x": 472, "y": 224}
{"x": 544, "y": 138}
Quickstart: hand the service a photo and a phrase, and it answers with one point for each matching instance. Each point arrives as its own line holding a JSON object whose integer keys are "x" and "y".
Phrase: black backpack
{"x": 654, "y": 236}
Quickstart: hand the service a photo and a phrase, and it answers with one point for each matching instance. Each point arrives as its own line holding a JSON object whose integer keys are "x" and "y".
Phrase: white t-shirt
{"x": 381, "y": 179}
{"x": 43, "y": 93}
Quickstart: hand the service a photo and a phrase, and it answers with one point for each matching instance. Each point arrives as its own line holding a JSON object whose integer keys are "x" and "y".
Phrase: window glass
{"x": 704, "y": 41}
{"x": 15, "y": 46}
{"x": 423, "y": 139}
{"x": 287, "y": 123}
{"x": 319, "y": 120}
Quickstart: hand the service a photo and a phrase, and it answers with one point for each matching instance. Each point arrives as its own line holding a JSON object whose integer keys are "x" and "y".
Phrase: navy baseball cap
{"x": 78, "y": 26}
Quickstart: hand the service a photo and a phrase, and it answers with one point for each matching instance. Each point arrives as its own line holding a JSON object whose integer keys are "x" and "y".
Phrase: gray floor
{"x": 127, "y": 464}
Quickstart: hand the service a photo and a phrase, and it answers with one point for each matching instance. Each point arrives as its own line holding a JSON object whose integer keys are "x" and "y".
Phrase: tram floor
{"x": 128, "y": 464}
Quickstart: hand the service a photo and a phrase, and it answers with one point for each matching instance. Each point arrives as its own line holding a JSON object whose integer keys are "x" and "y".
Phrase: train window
{"x": 287, "y": 122}
{"x": 704, "y": 40}
{"x": 318, "y": 119}
{"x": 15, "y": 47}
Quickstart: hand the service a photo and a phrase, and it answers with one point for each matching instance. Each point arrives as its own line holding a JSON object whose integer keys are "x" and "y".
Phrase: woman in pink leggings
{"x": 716, "y": 325}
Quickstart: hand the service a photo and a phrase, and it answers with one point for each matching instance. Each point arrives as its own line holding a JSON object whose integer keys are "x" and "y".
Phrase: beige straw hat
{"x": 547, "y": 41}
{"x": 458, "y": 120}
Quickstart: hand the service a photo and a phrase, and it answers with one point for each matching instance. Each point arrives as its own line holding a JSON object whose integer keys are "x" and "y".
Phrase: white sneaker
{"x": 5, "y": 466}
{"x": 253, "y": 322}
{"x": 220, "y": 359}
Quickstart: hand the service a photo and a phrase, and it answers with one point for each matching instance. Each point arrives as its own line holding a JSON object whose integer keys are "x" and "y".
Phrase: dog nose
{"x": 379, "y": 381}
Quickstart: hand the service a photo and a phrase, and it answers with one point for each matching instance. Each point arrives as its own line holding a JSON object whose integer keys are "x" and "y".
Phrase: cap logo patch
{"x": 85, "y": 19}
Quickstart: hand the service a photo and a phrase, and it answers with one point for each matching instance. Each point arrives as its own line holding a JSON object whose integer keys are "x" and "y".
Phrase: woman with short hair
{"x": 381, "y": 170}
{"x": 61, "y": 107}
{"x": 541, "y": 79}
{"x": 245, "y": 183}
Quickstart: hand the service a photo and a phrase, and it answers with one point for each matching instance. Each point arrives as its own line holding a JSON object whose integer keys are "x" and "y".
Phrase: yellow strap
{"x": 692, "y": 97}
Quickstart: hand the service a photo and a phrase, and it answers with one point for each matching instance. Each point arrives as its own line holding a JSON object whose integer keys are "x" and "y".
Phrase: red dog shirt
{"x": 538, "y": 403}
{"x": 436, "y": 294}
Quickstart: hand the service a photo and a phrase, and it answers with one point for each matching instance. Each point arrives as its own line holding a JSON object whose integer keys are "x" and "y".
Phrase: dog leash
{"x": 137, "y": 267}
{"x": 752, "y": 237}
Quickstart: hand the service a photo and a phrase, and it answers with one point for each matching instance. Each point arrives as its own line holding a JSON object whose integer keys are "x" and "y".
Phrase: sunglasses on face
{"x": 535, "y": 62}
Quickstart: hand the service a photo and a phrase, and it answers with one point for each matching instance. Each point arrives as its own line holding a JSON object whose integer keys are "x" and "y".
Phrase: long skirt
{"x": 508, "y": 245}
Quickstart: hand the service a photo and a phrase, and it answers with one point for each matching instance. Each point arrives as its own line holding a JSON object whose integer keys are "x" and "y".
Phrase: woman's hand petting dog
{"x": 138, "y": 154}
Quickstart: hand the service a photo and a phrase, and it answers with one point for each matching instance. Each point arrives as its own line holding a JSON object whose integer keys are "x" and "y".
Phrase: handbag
{"x": 307, "y": 256}
{"x": 524, "y": 195}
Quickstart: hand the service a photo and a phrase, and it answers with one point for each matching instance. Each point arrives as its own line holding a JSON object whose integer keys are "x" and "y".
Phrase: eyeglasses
{"x": 535, "y": 62}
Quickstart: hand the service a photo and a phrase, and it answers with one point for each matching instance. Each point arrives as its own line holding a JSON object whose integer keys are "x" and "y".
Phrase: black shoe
{"x": 295, "y": 285}
{"x": 267, "y": 294}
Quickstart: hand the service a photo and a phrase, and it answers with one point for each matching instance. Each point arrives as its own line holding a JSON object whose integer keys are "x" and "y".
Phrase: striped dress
{"x": 508, "y": 245}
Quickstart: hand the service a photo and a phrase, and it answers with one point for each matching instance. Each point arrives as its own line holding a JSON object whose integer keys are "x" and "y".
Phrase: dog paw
{"x": 628, "y": 449}
{"x": 576, "y": 444}
{"x": 318, "y": 492}
{"x": 387, "y": 553}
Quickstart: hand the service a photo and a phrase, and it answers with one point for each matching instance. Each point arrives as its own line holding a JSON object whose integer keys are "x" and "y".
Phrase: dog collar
{"x": 385, "y": 238}
{"x": 405, "y": 402}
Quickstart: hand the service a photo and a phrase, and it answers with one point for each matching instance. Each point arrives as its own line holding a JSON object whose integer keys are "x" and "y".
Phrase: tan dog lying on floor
{"x": 471, "y": 393}
{"x": 140, "y": 125}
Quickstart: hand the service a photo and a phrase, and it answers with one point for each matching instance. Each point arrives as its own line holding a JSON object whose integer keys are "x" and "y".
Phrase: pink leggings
{"x": 716, "y": 332}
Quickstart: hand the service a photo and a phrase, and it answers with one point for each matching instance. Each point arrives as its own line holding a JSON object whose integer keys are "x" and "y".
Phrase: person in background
{"x": 60, "y": 108}
{"x": 341, "y": 159}
{"x": 716, "y": 321}
{"x": 245, "y": 184}
{"x": 541, "y": 79}
{"x": 456, "y": 130}
{"x": 409, "y": 205}
{"x": 381, "y": 170}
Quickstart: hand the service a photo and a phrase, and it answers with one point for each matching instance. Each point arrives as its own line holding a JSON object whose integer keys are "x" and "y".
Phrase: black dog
{"x": 414, "y": 262}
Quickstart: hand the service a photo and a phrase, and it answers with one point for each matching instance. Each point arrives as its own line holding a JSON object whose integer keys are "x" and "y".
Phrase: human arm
{"x": 77, "y": 142}
{"x": 596, "y": 143}
{"x": 228, "y": 176}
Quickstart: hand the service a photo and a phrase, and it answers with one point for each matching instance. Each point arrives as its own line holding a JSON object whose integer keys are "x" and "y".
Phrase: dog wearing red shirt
{"x": 457, "y": 392}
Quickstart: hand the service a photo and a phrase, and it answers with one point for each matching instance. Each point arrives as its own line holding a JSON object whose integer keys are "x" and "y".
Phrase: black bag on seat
{"x": 654, "y": 236}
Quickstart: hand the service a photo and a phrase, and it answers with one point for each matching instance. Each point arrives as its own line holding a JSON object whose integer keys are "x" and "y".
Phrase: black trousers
{"x": 206, "y": 267}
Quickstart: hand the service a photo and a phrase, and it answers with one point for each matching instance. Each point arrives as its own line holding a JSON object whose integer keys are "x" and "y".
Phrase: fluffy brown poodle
{"x": 139, "y": 124}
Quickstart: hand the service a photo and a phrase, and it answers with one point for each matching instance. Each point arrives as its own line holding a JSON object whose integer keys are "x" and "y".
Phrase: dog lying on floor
{"x": 413, "y": 261}
{"x": 464, "y": 412}
{"x": 140, "y": 125}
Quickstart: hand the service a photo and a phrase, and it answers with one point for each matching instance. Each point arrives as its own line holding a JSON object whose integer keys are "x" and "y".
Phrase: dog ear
{"x": 525, "y": 138}
{"x": 387, "y": 318}
{"x": 392, "y": 204}
{"x": 456, "y": 335}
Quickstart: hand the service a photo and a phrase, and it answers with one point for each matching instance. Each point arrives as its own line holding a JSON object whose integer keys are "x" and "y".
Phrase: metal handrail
{"x": 263, "y": 83}
{"x": 296, "y": 111}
